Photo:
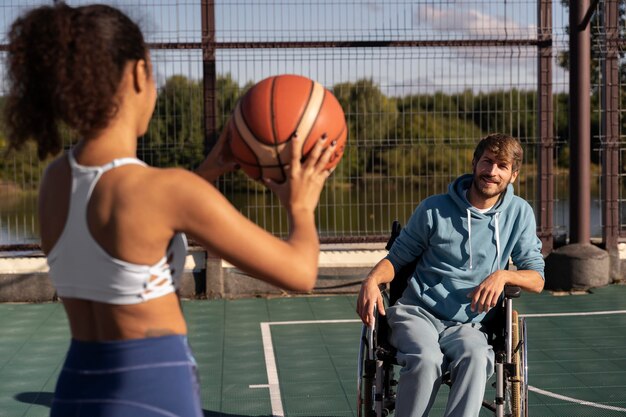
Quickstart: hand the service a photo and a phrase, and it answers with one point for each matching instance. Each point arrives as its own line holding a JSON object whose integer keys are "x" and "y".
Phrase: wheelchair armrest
{"x": 512, "y": 291}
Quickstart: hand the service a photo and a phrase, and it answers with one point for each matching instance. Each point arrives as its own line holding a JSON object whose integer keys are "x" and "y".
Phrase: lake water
{"x": 341, "y": 213}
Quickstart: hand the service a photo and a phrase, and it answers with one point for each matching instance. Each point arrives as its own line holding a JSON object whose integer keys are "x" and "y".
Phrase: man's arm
{"x": 486, "y": 295}
{"x": 370, "y": 294}
{"x": 408, "y": 246}
{"x": 526, "y": 256}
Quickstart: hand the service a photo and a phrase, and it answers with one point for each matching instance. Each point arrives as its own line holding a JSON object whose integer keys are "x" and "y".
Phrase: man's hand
{"x": 486, "y": 294}
{"x": 369, "y": 297}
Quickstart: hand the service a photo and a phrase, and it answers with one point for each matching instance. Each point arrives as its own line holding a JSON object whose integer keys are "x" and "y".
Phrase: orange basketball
{"x": 267, "y": 116}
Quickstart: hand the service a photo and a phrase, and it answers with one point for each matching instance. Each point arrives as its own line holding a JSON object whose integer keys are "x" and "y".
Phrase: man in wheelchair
{"x": 461, "y": 243}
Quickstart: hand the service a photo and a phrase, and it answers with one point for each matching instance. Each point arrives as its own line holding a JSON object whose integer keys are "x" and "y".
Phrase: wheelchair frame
{"x": 376, "y": 380}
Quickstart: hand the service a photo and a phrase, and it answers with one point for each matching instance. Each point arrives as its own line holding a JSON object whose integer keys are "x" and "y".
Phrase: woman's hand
{"x": 220, "y": 160}
{"x": 305, "y": 180}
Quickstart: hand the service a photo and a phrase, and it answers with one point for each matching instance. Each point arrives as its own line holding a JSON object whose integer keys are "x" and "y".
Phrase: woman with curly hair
{"x": 114, "y": 228}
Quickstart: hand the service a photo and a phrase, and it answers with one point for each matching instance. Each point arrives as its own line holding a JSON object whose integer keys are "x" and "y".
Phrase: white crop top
{"x": 81, "y": 268}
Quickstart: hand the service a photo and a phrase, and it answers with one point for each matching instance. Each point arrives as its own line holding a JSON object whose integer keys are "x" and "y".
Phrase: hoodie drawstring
{"x": 497, "y": 218}
{"x": 469, "y": 238}
{"x": 469, "y": 235}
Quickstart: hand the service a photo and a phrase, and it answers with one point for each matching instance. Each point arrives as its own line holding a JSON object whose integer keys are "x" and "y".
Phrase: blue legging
{"x": 140, "y": 378}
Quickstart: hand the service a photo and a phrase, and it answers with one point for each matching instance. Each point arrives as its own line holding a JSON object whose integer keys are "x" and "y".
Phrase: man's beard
{"x": 488, "y": 192}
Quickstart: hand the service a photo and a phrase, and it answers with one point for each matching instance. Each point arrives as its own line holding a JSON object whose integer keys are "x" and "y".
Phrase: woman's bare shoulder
{"x": 179, "y": 180}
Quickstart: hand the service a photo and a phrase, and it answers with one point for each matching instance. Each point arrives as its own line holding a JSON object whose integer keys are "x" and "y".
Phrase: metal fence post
{"x": 610, "y": 128}
{"x": 214, "y": 274}
{"x": 209, "y": 72}
{"x": 545, "y": 126}
{"x": 580, "y": 122}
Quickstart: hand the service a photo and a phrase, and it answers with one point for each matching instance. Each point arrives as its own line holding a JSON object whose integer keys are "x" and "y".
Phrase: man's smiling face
{"x": 492, "y": 175}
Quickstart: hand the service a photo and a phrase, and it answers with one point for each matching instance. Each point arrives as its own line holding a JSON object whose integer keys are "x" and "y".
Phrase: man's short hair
{"x": 505, "y": 147}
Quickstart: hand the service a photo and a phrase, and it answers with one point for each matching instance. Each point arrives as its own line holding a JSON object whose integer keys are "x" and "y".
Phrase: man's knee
{"x": 428, "y": 362}
{"x": 476, "y": 359}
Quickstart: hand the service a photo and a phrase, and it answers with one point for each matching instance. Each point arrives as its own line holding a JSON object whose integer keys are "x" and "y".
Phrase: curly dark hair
{"x": 64, "y": 66}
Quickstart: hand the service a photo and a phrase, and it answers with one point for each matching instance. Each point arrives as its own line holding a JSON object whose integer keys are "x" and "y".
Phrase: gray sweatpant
{"x": 429, "y": 347}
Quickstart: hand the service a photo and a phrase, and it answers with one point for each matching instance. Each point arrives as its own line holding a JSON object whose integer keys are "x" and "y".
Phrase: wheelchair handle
{"x": 370, "y": 336}
{"x": 512, "y": 291}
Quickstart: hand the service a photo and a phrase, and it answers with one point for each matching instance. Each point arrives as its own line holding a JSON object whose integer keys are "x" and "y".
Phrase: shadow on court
{"x": 45, "y": 399}
{"x": 35, "y": 398}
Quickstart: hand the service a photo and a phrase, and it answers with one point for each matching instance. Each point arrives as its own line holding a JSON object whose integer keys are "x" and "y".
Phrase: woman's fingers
{"x": 323, "y": 160}
{"x": 314, "y": 153}
{"x": 296, "y": 149}
{"x": 320, "y": 155}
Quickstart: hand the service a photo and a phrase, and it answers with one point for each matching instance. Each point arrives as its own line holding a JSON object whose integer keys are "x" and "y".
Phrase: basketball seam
{"x": 314, "y": 85}
{"x": 274, "y": 133}
{"x": 243, "y": 118}
{"x": 306, "y": 106}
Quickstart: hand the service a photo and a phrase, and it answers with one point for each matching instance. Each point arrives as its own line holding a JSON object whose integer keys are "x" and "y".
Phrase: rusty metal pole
{"x": 579, "y": 265}
{"x": 209, "y": 73}
{"x": 545, "y": 126}
{"x": 214, "y": 274}
{"x": 580, "y": 124}
{"x": 610, "y": 126}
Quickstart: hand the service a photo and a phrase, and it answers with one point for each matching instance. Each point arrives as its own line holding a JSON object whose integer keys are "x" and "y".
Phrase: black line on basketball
{"x": 258, "y": 163}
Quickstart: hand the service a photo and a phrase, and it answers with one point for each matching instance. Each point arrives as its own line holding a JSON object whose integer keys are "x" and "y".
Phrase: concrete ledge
{"x": 26, "y": 287}
{"x": 24, "y": 275}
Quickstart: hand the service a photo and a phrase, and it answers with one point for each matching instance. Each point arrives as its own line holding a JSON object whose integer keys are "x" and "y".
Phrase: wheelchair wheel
{"x": 519, "y": 380}
{"x": 376, "y": 382}
{"x": 365, "y": 377}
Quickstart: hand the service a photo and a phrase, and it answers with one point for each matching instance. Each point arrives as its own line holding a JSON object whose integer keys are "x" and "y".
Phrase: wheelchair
{"x": 377, "y": 364}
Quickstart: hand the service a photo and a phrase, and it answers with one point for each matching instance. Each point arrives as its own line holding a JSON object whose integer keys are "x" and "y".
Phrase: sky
{"x": 397, "y": 70}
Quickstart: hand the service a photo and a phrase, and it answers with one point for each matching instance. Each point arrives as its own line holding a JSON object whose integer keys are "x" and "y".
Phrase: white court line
{"x": 272, "y": 374}
{"x": 589, "y": 313}
{"x": 272, "y": 371}
{"x": 270, "y": 360}
{"x": 575, "y": 400}
{"x": 563, "y": 397}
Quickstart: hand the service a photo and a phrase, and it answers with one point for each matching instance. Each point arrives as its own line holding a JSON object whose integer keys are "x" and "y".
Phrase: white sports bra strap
{"x": 121, "y": 161}
{"x": 104, "y": 168}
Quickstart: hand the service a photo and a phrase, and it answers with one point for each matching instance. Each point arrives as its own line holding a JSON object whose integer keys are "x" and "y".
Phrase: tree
{"x": 371, "y": 118}
{"x": 596, "y": 32}
{"x": 175, "y": 136}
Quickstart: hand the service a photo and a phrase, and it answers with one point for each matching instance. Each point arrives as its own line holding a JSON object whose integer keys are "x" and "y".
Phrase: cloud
{"x": 458, "y": 20}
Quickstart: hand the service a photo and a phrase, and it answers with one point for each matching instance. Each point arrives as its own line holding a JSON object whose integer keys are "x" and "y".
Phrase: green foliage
{"x": 371, "y": 118}
{"x": 597, "y": 31}
{"x": 425, "y": 165}
{"x": 176, "y": 134}
{"x": 21, "y": 169}
{"x": 229, "y": 94}
{"x": 370, "y": 114}
{"x": 428, "y": 136}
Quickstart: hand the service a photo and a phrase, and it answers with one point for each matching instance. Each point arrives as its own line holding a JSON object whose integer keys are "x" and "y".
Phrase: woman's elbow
{"x": 301, "y": 279}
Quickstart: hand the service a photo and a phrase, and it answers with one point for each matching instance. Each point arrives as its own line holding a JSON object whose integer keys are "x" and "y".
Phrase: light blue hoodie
{"x": 459, "y": 247}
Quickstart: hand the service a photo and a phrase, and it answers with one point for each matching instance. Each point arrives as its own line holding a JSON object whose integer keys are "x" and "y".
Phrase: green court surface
{"x": 298, "y": 356}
